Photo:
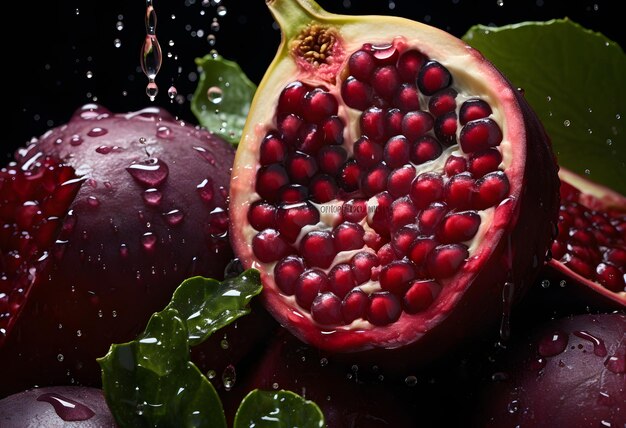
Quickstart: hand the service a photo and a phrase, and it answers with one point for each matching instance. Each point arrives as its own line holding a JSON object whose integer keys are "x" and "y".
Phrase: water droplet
{"x": 104, "y": 150}
{"x": 119, "y": 25}
{"x": 152, "y": 90}
{"x": 79, "y": 333}
{"x": 60, "y": 357}
{"x": 410, "y": 380}
{"x": 215, "y": 25}
{"x": 566, "y": 123}
{"x": 89, "y": 74}
{"x": 148, "y": 241}
{"x": 562, "y": 283}
{"x": 513, "y": 406}
{"x": 117, "y": 43}
{"x": 224, "y": 344}
{"x": 123, "y": 251}
{"x": 170, "y": 43}
{"x": 66, "y": 408}
{"x": 587, "y": 171}
{"x": 77, "y": 11}
{"x": 500, "y": 3}
{"x": 214, "y": 94}
{"x": 205, "y": 190}
{"x": 163, "y": 131}
{"x": 618, "y": 116}
{"x": 76, "y": 140}
{"x": 152, "y": 197}
{"x": 545, "y": 283}
{"x": 114, "y": 313}
{"x": 172, "y": 92}
{"x": 221, "y": 11}
{"x": 508, "y": 293}
{"x": 151, "y": 173}
{"x": 211, "y": 374}
{"x": 553, "y": 344}
{"x": 97, "y": 132}
{"x": 275, "y": 385}
{"x": 599, "y": 348}
{"x": 174, "y": 217}
{"x": 211, "y": 39}
{"x": 93, "y": 201}
{"x": 229, "y": 376}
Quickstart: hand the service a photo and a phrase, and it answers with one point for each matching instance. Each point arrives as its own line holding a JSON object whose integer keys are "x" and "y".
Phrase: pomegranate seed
{"x": 429, "y": 218}
{"x": 331, "y": 158}
{"x": 403, "y": 238}
{"x": 445, "y": 128}
{"x": 442, "y": 102}
{"x": 373, "y": 123}
{"x": 386, "y": 254}
{"x": 375, "y": 181}
{"x": 269, "y": 180}
{"x": 407, "y": 97}
{"x": 385, "y": 54}
{"x": 385, "y": 81}
{"x": 420, "y": 295}
{"x": 384, "y": 309}
{"x": 409, "y": 65}
{"x": 318, "y": 105}
{"x": 458, "y": 227}
{"x": 445, "y": 260}
{"x": 484, "y": 162}
{"x": 579, "y": 266}
{"x": 379, "y": 220}
{"x": 393, "y": 121}
{"x": 308, "y": 285}
{"x": 349, "y": 176}
{"x": 348, "y": 236}
{"x": 425, "y": 149}
{"x": 332, "y": 130}
{"x": 458, "y": 191}
{"x": 455, "y": 165}
{"x": 354, "y": 210}
{"x": 291, "y": 98}
{"x": 583, "y": 237}
{"x": 293, "y": 217}
{"x": 373, "y": 240}
{"x": 367, "y": 153}
{"x": 356, "y": 94}
{"x": 311, "y": 139}
{"x": 361, "y": 65}
{"x": 616, "y": 256}
{"x": 341, "y": 279}
{"x": 402, "y": 212}
{"x": 268, "y": 246}
{"x": 326, "y": 309}
{"x": 584, "y": 253}
{"x": 317, "y": 248}
{"x": 491, "y": 190}
{"x": 433, "y": 77}
{"x": 273, "y": 150}
{"x": 426, "y": 188}
{"x": 354, "y": 305}
{"x": 416, "y": 123}
{"x": 286, "y": 273}
{"x": 473, "y": 109}
{"x": 399, "y": 181}
{"x": 262, "y": 215}
{"x": 396, "y": 152}
{"x": 289, "y": 126}
{"x": 420, "y": 248}
{"x": 558, "y": 250}
{"x": 480, "y": 134}
{"x": 396, "y": 276}
{"x": 362, "y": 264}
{"x": 293, "y": 193}
{"x": 301, "y": 167}
{"x": 323, "y": 188}
{"x": 610, "y": 277}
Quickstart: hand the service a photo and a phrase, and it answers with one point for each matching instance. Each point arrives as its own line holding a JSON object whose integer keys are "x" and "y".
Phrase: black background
{"x": 53, "y": 45}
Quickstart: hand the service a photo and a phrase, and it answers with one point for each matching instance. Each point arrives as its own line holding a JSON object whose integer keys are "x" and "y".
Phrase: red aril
{"x": 448, "y": 174}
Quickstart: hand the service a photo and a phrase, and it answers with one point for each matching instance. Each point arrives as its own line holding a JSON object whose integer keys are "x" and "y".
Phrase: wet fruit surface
{"x": 101, "y": 219}
{"x": 414, "y": 181}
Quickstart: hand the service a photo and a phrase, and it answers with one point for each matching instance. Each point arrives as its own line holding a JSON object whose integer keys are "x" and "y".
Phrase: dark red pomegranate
{"x": 570, "y": 372}
{"x": 425, "y": 183}
{"x": 100, "y": 220}
{"x": 590, "y": 250}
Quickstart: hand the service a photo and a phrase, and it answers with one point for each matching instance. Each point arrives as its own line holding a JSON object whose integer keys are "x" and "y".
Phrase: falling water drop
{"x": 151, "y": 55}
{"x": 89, "y": 74}
{"x": 215, "y": 25}
{"x": 172, "y": 92}
{"x": 221, "y": 10}
{"x": 211, "y": 39}
{"x": 215, "y": 94}
{"x": 229, "y": 376}
{"x": 117, "y": 43}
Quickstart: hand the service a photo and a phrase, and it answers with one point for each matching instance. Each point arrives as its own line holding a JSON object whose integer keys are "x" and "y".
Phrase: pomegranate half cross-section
{"x": 389, "y": 182}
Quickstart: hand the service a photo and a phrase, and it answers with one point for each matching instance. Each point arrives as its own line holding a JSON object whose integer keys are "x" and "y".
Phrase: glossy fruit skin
{"x": 26, "y": 408}
{"x": 539, "y": 385}
{"x": 95, "y": 294}
{"x": 518, "y": 243}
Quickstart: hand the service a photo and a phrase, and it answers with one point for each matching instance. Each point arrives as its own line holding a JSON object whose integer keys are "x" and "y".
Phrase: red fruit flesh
{"x": 589, "y": 250}
{"x": 571, "y": 370}
{"x": 97, "y": 230}
{"x": 445, "y": 237}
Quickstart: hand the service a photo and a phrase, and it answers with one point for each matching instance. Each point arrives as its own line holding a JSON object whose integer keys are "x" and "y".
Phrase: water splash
{"x": 151, "y": 55}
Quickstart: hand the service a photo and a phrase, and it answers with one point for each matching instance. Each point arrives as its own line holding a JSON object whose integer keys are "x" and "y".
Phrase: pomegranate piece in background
{"x": 101, "y": 219}
{"x": 569, "y": 372}
{"x": 441, "y": 186}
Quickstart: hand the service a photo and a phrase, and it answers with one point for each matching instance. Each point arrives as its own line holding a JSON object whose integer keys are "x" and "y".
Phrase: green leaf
{"x": 277, "y": 409}
{"x": 575, "y": 80}
{"x": 207, "y": 305}
{"x": 223, "y": 96}
{"x": 150, "y": 382}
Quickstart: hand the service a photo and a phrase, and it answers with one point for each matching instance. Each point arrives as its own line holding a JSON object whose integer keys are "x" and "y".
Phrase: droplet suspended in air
{"x": 215, "y": 94}
{"x": 172, "y": 92}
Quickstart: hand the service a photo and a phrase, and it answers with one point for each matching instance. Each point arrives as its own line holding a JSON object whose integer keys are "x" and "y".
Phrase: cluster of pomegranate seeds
{"x": 34, "y": 200}
{"x": 368, "y": 227}
{"x": 593, "y": 244}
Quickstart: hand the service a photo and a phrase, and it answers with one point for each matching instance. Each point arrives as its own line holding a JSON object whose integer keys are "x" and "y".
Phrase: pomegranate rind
{"x": 512, "y": 249}
{"x": 596, "y": 197}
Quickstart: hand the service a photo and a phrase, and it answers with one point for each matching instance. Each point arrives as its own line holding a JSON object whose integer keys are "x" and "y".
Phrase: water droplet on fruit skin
{"x": 151, "y": 173}
{"x": 599, "y": 348}
{"x": 76, "y": 140}
{"x": 93, "y": 201}
{"x": 67, "y": 409}
{"x": 148, "y": 241}
{"x": 205, "y": 190}
{"x": 174, "y": 217}
{"x": 553, "y": 344}
{"x": 104, "y": 150}
{"x": 97, "y": 132}
{"x": 152, "y": 196}
{"x": 205, "y": 154}
{"x": 163, "y": 132}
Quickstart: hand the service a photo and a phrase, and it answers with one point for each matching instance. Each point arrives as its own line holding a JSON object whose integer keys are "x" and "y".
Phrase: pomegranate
{"x": 389, "y": 182}
{"x": 571, "y": 370}
{"x": 56, "y": 407}
{"x": 100, "y": 220}
{"x": 590, "y": 249}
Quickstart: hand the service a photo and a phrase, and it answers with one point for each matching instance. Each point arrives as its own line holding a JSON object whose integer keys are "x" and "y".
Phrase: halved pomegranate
{"x": 100, "y": 220}
{"x": 590, "y": 249}
{"x": 389, "y": 182}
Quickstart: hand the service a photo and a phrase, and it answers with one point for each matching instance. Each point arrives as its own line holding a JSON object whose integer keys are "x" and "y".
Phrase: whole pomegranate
{"x": 100, "y": 220}
{"x": 389, "y": 183}
{"x": 569, "y": 372}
